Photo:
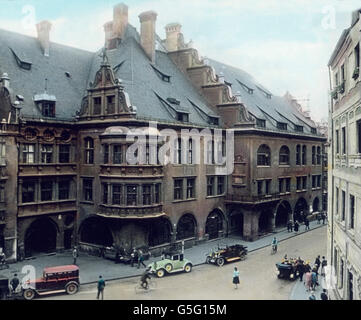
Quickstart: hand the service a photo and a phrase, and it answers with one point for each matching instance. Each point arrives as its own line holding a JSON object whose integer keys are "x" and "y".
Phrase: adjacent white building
{"x": 344, "y": 178}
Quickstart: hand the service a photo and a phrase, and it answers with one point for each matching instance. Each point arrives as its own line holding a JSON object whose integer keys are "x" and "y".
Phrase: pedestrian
{"x": 312, "y": 296}
{"x": 323, "y": 217}
{"x": 319, "y": 218}
{"x": 317, "y": 264}
{"x": 324, "y": 295}
{"x": 323, "y": 266}
{"x": 307, "y": 224}
{"x": 314, "y": 279}
{"x": 300, "y": 268}
{"x": 308, "y": 281}
{"x": 289, "y": 226}
{"x": 296, "y": 226}
{"x": 101, "y": 286}
{"x": 14, "y": 283}
{"x": 141, "y": 259}
{"x": 75, "y": 255}
{"x": 235, "y": 277}
{"x": 134, "y": 257}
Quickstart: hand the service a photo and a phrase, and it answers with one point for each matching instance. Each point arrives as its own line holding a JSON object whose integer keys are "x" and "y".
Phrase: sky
{"x": 284, "y": 44}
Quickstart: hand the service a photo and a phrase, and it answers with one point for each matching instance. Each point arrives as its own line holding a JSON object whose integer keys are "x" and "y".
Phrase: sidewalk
{"x": 299, "y": 290}
{"x": 91, "y": 267}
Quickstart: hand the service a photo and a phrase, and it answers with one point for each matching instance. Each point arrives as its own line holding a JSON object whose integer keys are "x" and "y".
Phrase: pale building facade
{"x": 344, "y": 184}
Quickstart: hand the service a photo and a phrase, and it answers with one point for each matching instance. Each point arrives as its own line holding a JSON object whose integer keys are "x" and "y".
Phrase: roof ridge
{"x": 51, "y": 42}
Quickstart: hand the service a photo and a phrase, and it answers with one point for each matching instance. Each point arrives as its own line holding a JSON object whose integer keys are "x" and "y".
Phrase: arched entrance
{"x": 214, "y": 224}
{"x": 94, "y": 230}
{"x": 301, "y": 210}
{"x": 186, "y": 227}
{"x": 316, "y": 205}
{"x": 282, "y": 214}
{"x": 159, "y": 232}
{"x": 236, "y": 223}
{"x": 40, "y": 237}
{"x": 265, "y": 222}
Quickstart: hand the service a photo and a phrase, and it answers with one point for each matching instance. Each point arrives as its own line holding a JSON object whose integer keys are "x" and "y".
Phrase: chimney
{"x": 115, "y": 30}
{"x": 43, "y": 29}
{"x": 172, "y": 30}
{"x": 120, "y": 20}
{"x": 147, "y": 33}
{"x": 108, "y": 30}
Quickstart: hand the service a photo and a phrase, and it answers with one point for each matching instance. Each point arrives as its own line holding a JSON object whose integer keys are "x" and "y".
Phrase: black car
{"x": 227, "y": 254}
{"x": 287, "y": 271}
{"x": 124, "y": 256}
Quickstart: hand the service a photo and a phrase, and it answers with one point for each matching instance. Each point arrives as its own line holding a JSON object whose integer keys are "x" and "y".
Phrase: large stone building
{"x": 344, "y": 184}
{"x": 69, "y": 115}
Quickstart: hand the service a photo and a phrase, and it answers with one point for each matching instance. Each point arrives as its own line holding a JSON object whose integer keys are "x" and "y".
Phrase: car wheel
{"x": 208, "y": 260}
{"x": 71, "y": 288}
{"x": 160, "y": 273}
{"x": 188, "y": 268}
{"x": 169, "y": 267}
{"x": 220, "y": 262}
{"x": 29, "y": 294}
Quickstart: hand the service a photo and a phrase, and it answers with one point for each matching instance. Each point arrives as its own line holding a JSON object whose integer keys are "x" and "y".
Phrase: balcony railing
{"x": 131, "y": 211}
{"x": 253, "y": 198}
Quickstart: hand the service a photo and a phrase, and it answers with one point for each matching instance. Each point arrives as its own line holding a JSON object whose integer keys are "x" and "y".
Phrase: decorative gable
{"x": 106, "y": 96}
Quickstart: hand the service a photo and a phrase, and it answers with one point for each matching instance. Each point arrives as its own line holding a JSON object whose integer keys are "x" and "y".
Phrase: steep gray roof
{"x": 145, "y": 87}
{"x": 260, "y": 102}
{"x": 28, "y": 83}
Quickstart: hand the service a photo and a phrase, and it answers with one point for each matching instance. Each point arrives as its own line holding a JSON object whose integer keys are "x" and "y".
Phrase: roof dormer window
{"x": 298, "y": 128}
{"x": 214, "y": 120}
{"x": 161, "y": 75}
{"x": 46, "y": 104}
{"x": 21, "y": 60}
{"x": 267, "y": 94}
{"x": 261, "y": 123}
{"x": 282, "y": 125}
{"x": 48, "y": 109}
{"x": 184, "y": 117}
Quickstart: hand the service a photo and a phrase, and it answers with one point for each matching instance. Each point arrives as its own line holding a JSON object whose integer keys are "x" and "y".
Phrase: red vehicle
{"x": 54, "y": 280}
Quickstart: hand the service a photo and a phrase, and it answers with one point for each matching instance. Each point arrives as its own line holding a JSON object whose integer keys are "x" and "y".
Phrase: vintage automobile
{"x": 170, "y": 263}
{"x": 122, "y": 255}
{"x": 54, "y": 280}
{"x": 286, "y": 271}
{"x": 227, "y": 254}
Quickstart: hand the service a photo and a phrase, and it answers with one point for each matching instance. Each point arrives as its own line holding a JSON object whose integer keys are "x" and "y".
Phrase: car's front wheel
{"x": 160, "y": 273}
{"x": 71, "y": 288}
{"x": 220, "y": 262}
{"x": 169, "y": 267}
{"x": 188, "y": 268}
{"x": 29, "y": 294}
{"x": 208, "y": 260}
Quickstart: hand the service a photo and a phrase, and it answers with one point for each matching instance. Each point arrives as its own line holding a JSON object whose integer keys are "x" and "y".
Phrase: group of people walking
{"x": 294, "y": 226}
{"x": 312, "y": 277}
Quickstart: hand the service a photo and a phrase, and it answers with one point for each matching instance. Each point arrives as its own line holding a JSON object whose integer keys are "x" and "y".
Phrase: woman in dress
{"x": 235, "y": 277}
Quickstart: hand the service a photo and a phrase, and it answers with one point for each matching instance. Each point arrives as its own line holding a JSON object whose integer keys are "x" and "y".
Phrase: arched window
{"x": 89, "y": 150}
{"x": 284, "y": 155}
{"x": 298, "y": 155}
{"x": 304, "y": 155}
{"x": 264, "y": 156}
